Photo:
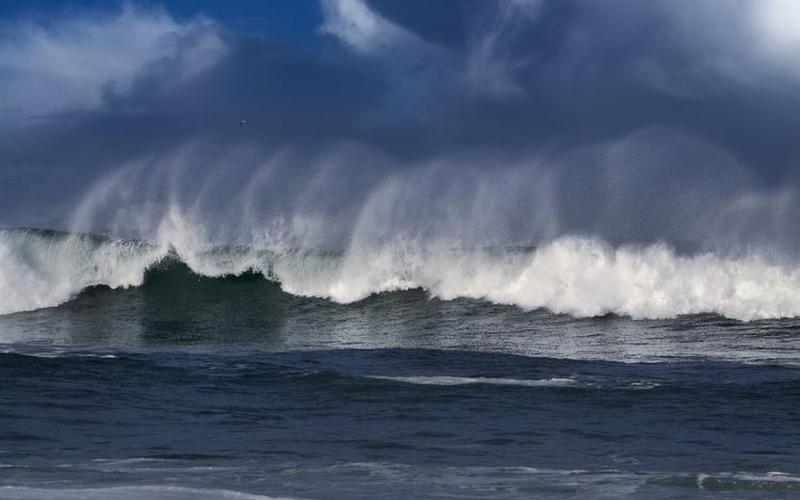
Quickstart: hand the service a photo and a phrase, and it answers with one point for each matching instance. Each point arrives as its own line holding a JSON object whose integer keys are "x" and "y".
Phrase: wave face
{"x": 45, "y": 268}
{"x": 579, "y": 276}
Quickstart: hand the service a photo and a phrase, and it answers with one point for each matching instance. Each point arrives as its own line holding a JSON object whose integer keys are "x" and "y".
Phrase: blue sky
{"x": 678, "y": 92}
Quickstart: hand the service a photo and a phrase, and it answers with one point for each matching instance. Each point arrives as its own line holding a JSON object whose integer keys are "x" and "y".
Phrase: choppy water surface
{"x": 196, "y": 387}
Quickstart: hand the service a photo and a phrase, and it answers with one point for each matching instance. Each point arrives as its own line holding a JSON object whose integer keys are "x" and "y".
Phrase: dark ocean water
{"x": 193, "y": 387}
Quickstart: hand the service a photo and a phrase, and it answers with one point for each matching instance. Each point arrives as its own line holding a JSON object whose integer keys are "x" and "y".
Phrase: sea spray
{"x": 581, "y": 276}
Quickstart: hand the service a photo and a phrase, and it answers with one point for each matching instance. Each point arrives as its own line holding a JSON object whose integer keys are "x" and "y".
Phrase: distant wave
{"x": 445, "y": 380}
{"x": 553, "y": 382}
{"x": 127, "y": 492}
{"x": 576, "y": 275}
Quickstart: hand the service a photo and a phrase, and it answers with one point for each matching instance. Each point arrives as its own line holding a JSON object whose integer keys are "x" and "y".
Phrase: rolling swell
{"x": 581, "y": 276}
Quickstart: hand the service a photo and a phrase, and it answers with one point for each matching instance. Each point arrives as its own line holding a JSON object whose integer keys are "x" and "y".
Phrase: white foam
{"x": 446, "y": 380}
{"x": 125, "y": 493}
{"x": 743, "y": 480}
{"x": 580, "y": 276}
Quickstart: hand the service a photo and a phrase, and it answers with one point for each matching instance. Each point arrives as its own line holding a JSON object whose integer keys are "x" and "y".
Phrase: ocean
{"x": 131, "y": 369}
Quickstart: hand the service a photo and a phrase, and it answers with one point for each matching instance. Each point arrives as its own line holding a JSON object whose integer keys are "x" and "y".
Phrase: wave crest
{"x": 575, "y": 275}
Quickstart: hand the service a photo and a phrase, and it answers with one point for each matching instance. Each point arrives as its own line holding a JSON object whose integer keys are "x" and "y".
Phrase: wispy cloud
{"x": 487, "y": 67}
{"x": 72, "y": 64}
{"x": 415, "y": 68}
{"x": 362, "y": 29}
{"x": 490, "y": 65}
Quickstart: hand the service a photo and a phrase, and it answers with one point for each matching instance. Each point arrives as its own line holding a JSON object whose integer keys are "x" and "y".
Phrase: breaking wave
{"x": 581, "y": 276}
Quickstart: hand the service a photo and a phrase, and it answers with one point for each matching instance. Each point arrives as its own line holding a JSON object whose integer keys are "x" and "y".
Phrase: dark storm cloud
{"x": 511, "y": 73}
{"x": 580, "y": 70}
